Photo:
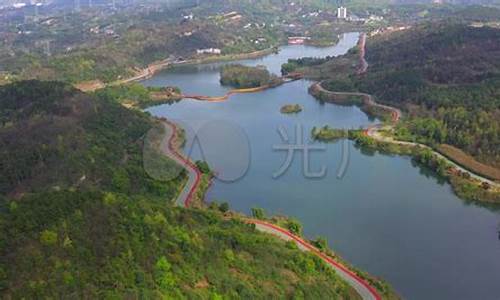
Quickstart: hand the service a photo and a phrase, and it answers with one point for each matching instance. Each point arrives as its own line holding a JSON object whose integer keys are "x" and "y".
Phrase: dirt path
{"x": 284, "y": 79}
{"x": 374, "y": 130}
{"x": 363, "y": 64}
{"x": 154, "y": 68}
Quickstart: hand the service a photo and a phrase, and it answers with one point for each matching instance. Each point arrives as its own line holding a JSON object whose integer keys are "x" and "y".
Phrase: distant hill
{"x": 455, "y": 2}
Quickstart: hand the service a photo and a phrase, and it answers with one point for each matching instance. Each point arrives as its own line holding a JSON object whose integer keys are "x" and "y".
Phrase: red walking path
{"x": 169, "y": 148}
{"x": 284, "y": 79}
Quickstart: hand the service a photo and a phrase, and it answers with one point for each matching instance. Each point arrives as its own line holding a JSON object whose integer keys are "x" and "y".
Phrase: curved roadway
{"x": 169, "y": 149}
{"x": 373, "y": 131}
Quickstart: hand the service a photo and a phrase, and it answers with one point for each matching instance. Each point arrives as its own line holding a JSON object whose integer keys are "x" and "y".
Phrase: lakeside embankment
{"x": 169, "y": 147}
{"x": 283, "y": 80}
{"x": 328, "y": 212}
{"x": 154, "y": 68}
{"x": 371, "y": 107}
{"x": 367, "y": 102}
{"x": 462, "y": 165}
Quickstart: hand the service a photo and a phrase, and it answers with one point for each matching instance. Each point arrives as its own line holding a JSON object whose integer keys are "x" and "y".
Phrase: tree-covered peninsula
{"x": 243, "y": 77}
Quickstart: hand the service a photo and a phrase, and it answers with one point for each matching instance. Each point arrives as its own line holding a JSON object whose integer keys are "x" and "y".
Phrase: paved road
{"x": 374, "y": 132}
{"x": 169, "y": 149}
{"x": 361, "y": 286}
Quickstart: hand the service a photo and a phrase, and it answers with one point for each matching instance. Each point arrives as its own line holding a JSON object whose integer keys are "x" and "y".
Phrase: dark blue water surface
{"x": 385, "y": 215}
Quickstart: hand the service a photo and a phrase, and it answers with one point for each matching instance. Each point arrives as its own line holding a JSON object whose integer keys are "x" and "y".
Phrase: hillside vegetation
{"x": 90, "y": 46}
{"x": 448, "y": 77}
{"x": 445, "y": 75}
{"x": 241, "y": 77}
{"x": 63, "y": 138}
{"x": 80, "y": 218}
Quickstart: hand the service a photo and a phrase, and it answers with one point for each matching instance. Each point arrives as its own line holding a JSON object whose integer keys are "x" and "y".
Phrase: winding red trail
{"x": 285, "y": 79}
{"x": 227, "y": 95}
{"x": 194, "y": 175}
{"x": 372, "y": 130}
{"x": 360, "y": 285}
{"x": 185, "y": 197}
{"x": 366, "y": 291}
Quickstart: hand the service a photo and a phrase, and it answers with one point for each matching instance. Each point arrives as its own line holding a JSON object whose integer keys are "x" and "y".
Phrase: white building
{"x": 209, "y": 51}
{"x": 342, "y": 12}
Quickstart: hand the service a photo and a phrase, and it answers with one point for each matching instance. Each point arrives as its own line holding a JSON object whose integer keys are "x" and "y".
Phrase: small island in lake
{"x": 244, "y": 77}
{"x": 291, "y": 109}
{"x": 135, "y": 95}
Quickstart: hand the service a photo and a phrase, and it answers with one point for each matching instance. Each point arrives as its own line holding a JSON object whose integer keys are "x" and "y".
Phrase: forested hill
{"x": 79, "y": 217}
{"x": 447, "y": 76}
{"x": 437, "y": 64}
{"x": 63, "y": 138}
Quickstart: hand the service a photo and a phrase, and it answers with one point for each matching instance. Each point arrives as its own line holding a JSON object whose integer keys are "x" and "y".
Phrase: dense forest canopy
{"x": 446, "y": 75}
{"x": 63, "y": 138}
{"x": 240, "y": 76}
{"x": 452, "y": 71}
{"x": 80, "y": 218}
{"x": 438, "y": 54}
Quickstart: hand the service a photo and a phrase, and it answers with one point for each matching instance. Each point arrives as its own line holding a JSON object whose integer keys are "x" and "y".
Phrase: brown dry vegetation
{"x": 89, "y": 86}
{"x": 469, "y": 162}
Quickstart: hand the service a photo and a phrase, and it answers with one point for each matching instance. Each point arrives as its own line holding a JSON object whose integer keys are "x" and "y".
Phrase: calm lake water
{"x": 385, "y": 215}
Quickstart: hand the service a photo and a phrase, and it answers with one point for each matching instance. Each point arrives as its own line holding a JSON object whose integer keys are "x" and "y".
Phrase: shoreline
{"x": 367, "y": 102}
{"x": 154, "y": 68}
{"x": 372, "y": 131}
{"x": 317, "y": 90}
{"x": 169, "y": 149}
{"x": 283, "y": 80}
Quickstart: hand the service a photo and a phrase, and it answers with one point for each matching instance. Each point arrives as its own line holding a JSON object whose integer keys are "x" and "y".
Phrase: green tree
{"x": 224, "y": 207}
{"x": 215, "y": 296}
{"x": 121, "y": 181}
{"x": 320, "y": 243}
{"x": 163, "y": 274}
{"x": 48, "y": 238}
{"x": 258, "y": 213}
{"x": 294, "y": 226}
{"x": 3, "y": 278}
{"x": 203, "y": 167}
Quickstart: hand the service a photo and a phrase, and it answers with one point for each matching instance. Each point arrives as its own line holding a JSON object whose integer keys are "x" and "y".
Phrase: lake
{"x": 383, "y": 214}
